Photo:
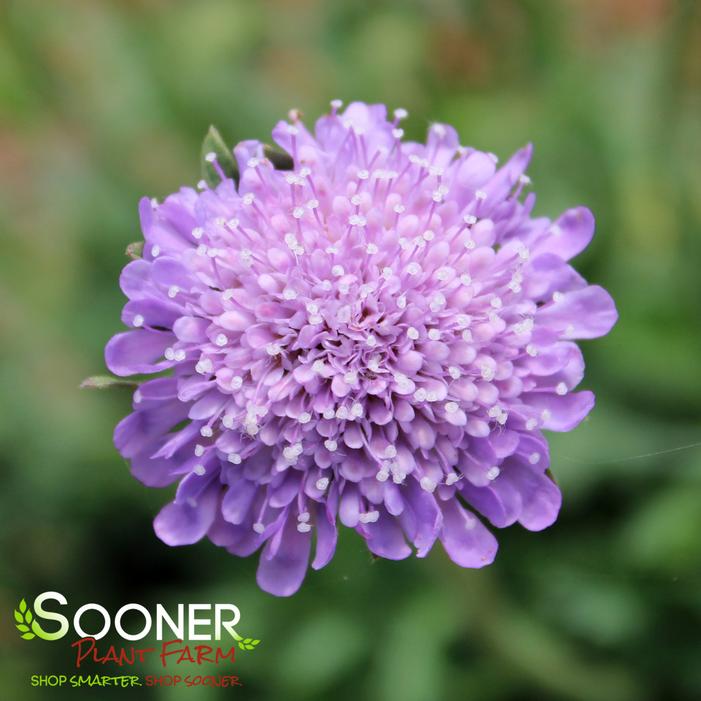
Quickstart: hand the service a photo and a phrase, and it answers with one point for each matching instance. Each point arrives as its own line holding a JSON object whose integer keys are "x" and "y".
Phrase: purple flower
{"x": 378, "y": 337}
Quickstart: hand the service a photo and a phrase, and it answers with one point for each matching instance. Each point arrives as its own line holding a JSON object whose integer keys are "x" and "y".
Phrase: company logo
{"x": 200, "y": 622}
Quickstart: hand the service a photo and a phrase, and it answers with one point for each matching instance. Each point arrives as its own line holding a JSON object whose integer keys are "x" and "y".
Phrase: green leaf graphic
{"x": 248, "y": 643}
{"x": 24, "y": 617}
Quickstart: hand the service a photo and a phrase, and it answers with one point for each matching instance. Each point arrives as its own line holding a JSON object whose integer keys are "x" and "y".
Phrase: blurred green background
{"x": 102, "y": 102}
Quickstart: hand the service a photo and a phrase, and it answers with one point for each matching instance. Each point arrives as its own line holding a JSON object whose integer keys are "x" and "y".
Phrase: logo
{"x": 201, "y": 622}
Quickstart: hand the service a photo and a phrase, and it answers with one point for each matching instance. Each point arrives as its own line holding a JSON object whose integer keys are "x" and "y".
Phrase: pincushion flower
{"x": 377, "y": 336}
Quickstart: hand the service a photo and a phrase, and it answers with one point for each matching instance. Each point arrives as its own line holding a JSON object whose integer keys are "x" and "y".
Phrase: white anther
{"x": 304, "y": 527}
{"x": 428, "y": 484}
{"x": 173, "y": 291}
{"x": 382, "y": 475}
{"x": 298, "y": 212}
{"x": 204, "y": 366}
{"x": 469, "y": 219}
{"x": 558, "y": 296}
{"x": 452, "y": 478}
{"x": 206, "y": 432}
{"x": 221, "y": 339}
{"x": 357, "y": 220}
{"x": 236, "y": 382}
{"x": 228, "y": 421}
{"x": 138, "y": 320}
{"x": 493, "y": 473}
{"x": 561, "y": 389}
{"x": 443, "y": 274}
{"x": 369, "y": 517}
{"x": 318, "y": 366}
{"x": 412, "y": 333}
{"x": 421, "y": 395}
{"x": 428, "y": 235}
{"x": 273, "y": 349}
{"x": 413, "y": 268}
{"x": 531, "y": 424}
{"x": 258, "y": 527}
{"x": 351, "y": 377}
{"x": 399, "y": 209}
{"x": 401, "y": 302}
{"x": 337, "y": 270}
{"x": 371, "y": 248}
{"x": 290, "y": 454}
{"x": 487, "y": 373}
{"x": 234, "y": 458}
{"x": 155, "y": 251}
{"x": 288, "y": 293}
{"x": 371, "y": 340}
{"x": 451, "y": 407}
{"x": 390, "y": 452}
{"x": 454, "y": 372}
{"x": 534, "y": 458}
{"x": 329, "y": 414}
{"x": 199, "y": 451}
{"x": 304, "y": 418}
{"x": 248, "y": 198}
{"x": 322, "y": 484}
{"x": 331, "y": 445}
{"x": 400, "y": 113}
{"x": 199, "y": 470}
{"x": 434, "y": 334}
{"x": 480, "y": 195}
{"x": 496, "y": 302}
{"x": 197, "y": 232}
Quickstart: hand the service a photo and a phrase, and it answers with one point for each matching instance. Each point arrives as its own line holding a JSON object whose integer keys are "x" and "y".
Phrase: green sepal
{"x": 135, "y": 250}
{"x": 106, "y": 382}
{"x": 214, "y": 143}
{"x": 280, "y": 159}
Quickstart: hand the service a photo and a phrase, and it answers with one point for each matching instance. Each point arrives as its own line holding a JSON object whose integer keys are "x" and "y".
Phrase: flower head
{"x": 377, "y": 336}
